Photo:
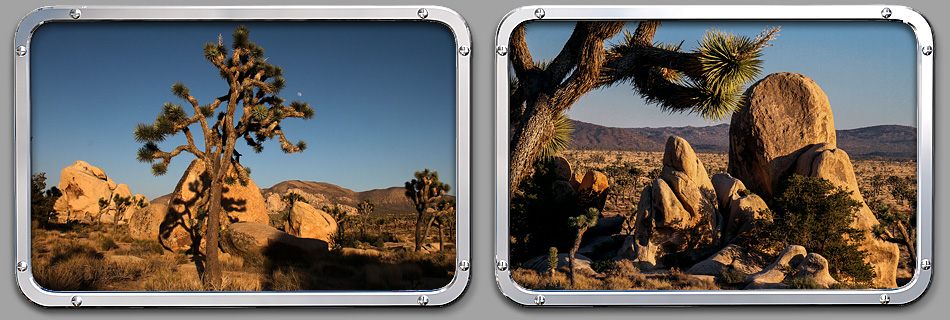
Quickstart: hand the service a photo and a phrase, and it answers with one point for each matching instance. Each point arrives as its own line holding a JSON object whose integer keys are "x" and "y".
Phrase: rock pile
{"x": 787, "y": 127}
{"x": 677, "y": 217}
{"x": 83, "y": 185}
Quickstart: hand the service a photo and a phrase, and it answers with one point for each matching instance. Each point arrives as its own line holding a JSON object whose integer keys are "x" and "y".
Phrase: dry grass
{"x": 621, "y": 275}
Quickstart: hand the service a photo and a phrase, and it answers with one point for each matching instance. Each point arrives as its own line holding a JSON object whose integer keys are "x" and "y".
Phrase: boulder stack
{"x": 677, "y": 217}
{"x": 787, "y": 127}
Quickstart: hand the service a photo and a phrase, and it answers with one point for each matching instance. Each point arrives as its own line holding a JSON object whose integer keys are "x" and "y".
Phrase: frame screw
{"x": 76, "y": 301}
{"x": 423, "y": 13}
{"x": 75, "y": 14}
{"x": 539, "y": 300}
{"x": 885, "y": 299}
{"x": 464, "y": 50}
{"x": 423, "y": 300}
{"x": 21, "y": 51}
{"x": 464, "y": 265}
{"x": 927, "y": 50}
{"x": 886, "y": 13}
{"x": 502, "y": 265}
{"x": 539, "y": 13}
{"x": 925, "y": 264}
{"x": 21, "y": 266}
{"x": 501, "y": 50}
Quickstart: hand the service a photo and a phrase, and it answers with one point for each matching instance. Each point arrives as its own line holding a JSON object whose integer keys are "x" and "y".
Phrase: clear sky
{"x": 867, "y": 69}
{"x": 383, "y": 95}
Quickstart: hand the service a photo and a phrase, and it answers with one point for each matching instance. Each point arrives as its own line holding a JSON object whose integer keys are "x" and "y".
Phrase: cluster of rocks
{"x": 589, "y": 187}
{"x": 686, "y": 218}
{"x": 83, "y": 186}
{"x": 172, "y": 219}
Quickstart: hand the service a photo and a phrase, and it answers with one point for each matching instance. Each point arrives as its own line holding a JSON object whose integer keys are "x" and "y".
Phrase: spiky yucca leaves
{"x": 709, "y": 80}
{"x": 557, "y": 138}
{"x": 422, "y": 191}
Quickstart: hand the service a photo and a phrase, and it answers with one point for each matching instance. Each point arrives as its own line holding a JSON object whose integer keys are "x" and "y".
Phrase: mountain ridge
{"x": 884, "y": 141}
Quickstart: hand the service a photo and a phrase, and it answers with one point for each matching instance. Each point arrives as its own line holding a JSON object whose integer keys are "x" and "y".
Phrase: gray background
{"x": 482, "y": 299}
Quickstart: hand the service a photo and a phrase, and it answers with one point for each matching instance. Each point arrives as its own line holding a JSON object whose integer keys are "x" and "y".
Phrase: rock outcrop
{"x": 787, "y": 127}
{"x": 82, "y": 185}
{"x": 794, "y": 263}
{"x": 240, "y": 204}
{"x": 144, "y": 223}
{"x": 248, "y": 237}
{"x": 307, "y": 222}
{"x": 730, "y": 257}
{"x": 784, "y": 115}
{"x": 677, "y": 217}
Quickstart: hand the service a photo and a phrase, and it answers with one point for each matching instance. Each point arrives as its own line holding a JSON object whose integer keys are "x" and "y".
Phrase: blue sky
{"x": 383, "y": 96}
{"x": 867, "y": 69}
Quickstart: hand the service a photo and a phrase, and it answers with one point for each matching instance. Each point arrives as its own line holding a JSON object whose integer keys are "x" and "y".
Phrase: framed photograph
{"x": 710, "y": 155}
{"x": 138, "y": 129}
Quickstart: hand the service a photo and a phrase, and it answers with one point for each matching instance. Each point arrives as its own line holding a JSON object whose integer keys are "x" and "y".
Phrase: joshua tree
{"x": 292, "y": 198}
{"x": 422, "y": 191}
{"x": 253, "y": 86}
{"x": 445, "y": 208}
{"x": 582, "y": 223}
{"x": 340, "y": 216}
{"x": 552, "y": 260}
{"x": 365, "y": 207}
{"x": 708, "y": 80}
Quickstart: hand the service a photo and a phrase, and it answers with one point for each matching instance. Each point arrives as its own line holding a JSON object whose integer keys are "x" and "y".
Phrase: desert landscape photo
{"x": 142, "y": 158}
{"x": 695, "y": 155}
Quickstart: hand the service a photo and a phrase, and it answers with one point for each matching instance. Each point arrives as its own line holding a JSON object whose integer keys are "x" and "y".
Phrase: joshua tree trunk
{"x": 570, "y": 256}
{"x": 419, "y": 237}
{"x": 212, "y": 274}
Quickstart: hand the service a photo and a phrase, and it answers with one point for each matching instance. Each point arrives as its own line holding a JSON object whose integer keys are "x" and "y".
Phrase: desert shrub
{"x": 802, "y": 283}
{"x": 813, "y": 213}
{"x": 601, "y": 266}
{"x": 144, "y": 248}
{"x": 77, "y": 267}
{"x": 170, "y": 279}
{"x": 701, "y": 284}
{"x": 106, "y": 243}
{"x": 732, "y": 276}
{"x": 288, "y": 279}
{"x": 279, "y": 220}
{"x": 537, "y": 220}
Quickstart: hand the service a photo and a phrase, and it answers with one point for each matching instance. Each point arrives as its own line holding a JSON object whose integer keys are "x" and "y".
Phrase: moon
{"x": 299, "y": 94}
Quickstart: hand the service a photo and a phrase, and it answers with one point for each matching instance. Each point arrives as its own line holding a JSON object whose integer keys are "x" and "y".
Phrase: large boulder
{"x": 727, "y": 189}
{"x": 794, "y": 263}
{"x": 785, "y": 127}
{"x": 730, "y": 257}
{"x": 83, "y": 185}
{"x": 562, "y": 168}
{"x": 240, "y": 204}
{"x": 743, "y": 212}
{"x": 274, "y": 203}
{"x": 677, "y": 219}
{"x": 592, "y": 191}
{"x": 776, "y": 272}
{"x": 784, "y": 115}
{"x": 242, "y": 238}
{"x": 307, "y": 222}
{"x": 144, "y": 222}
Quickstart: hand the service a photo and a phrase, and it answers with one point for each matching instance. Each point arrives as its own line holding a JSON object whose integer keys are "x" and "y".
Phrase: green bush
{"x": 732, "y": 276}
{"x": 813, "y": 213}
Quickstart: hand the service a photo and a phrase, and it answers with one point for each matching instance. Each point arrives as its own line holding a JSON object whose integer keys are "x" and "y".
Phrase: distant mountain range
{"x": 884, "y": 141}
{"x": 391, "y": 200}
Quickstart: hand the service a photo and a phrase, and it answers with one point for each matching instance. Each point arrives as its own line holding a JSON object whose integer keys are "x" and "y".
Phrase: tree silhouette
{"x": 422, "y": 192}
{"x": 253, "y": 86}
{"x": 708, "y": 80}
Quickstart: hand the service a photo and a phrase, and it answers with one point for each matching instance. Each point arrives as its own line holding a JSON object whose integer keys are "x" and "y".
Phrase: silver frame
{"x": 925, "y": 145}
{"x": 438, "y": 297}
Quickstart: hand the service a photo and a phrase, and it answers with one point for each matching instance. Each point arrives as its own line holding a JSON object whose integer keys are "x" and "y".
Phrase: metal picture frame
{"x": 78, "y": 14}
{"x": 925, "y": 156}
